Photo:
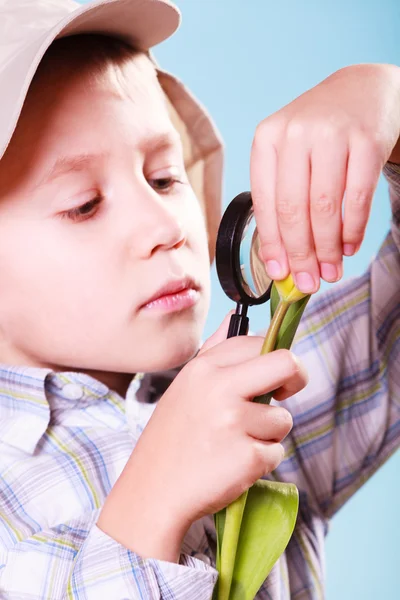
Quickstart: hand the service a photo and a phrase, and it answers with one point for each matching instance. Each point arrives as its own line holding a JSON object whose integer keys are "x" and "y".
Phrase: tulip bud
{"x": 288, "y": 291}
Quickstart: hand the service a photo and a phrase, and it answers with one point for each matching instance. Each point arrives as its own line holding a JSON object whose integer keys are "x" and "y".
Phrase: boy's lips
{"x": 172, "y": 286}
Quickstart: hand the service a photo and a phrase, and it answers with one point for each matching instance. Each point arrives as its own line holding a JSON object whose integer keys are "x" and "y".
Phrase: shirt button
{"x": 203, "y": 557}
{"x": 73, "y": 391}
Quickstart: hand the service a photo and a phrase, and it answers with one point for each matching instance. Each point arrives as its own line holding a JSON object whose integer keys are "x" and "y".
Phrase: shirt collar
{"x": 29, "y": 394}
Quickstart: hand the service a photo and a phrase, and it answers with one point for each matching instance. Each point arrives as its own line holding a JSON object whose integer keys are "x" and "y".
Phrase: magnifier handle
{"x": 238, "y": 325}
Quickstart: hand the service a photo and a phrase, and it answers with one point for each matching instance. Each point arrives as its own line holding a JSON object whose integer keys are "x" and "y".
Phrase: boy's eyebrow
{"x": 78, "y": 162}
{"x": 69, "y": 164}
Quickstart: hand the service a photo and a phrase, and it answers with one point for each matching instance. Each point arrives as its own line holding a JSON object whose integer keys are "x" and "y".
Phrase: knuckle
{"x": 199, "y": 368}
{"x": 332, "y": 129}
{"x": 289, "y": 213}
{"x": 328, "y": 130}
{"x": 295, "y": 130}
{"x": 257, "y": 459}
{"x": 260, "y": 133}
{"x": 328, "y": 253}
{"x": 264, "y": 458}
{"x": 373, "y": 141}
{"x": 290, "y": 362}
{"x": 271, "y": 247}
{"x": 324, "y": 205}
{"x": 299, "y": 255}
{"x": 266, "y": 131}
{"x": 271, "y": 457}
{"x": 232, "y": 418}
{"x": 358, "y": 199}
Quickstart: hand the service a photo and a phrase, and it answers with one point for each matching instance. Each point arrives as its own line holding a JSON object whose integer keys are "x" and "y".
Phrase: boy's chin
{"x": 164, "y": 358}
{"x": 171, "y": 345}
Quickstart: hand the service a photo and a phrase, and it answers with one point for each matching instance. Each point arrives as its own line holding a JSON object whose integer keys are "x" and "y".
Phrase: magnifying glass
{"x": 240, "y": 270}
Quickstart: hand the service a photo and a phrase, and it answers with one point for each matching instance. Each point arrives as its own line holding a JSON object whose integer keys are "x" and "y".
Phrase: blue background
{"x": 246, "y": 59}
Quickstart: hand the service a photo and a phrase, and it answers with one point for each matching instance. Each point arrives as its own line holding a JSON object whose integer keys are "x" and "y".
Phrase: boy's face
{"x": 81, "y": 251}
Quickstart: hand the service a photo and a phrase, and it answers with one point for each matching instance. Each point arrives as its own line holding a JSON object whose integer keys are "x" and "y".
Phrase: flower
{"x": 288, "y": 291}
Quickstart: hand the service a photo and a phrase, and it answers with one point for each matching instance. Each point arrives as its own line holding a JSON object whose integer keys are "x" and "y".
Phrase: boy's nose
{"x": 158, "y": 228}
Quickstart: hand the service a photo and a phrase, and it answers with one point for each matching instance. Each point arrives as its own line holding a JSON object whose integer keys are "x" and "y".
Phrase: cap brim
{"x": 142, "y": 24}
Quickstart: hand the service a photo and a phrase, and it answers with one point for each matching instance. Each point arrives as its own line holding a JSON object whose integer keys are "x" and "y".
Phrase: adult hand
{"x": 315, "y": 165}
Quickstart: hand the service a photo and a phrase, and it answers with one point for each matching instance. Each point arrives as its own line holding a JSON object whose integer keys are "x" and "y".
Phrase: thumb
{"x": 218, "y": 336}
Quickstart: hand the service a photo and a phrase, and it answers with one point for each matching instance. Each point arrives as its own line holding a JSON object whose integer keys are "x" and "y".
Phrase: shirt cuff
{"x": 106, "y": 569}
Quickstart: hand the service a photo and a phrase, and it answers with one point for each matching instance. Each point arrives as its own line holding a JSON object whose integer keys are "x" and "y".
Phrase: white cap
{"x": 29, "y": 27}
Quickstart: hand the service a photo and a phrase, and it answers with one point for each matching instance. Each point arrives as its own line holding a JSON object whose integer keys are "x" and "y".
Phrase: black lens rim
{"x": 227, "y": 254}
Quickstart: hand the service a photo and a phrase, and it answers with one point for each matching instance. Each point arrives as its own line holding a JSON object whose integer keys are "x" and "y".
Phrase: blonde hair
{"x": 93, "y": 55}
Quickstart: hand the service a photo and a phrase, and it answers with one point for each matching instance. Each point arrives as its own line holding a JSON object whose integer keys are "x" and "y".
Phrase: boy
{"x": 104, "y": 269}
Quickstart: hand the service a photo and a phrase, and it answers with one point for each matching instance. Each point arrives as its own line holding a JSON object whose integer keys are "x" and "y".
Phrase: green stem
{"x": 228, "y": 521}
{"x": 275, "y": 325}
{"x": 271, "y": 339}
{"x": 233, "y": 522}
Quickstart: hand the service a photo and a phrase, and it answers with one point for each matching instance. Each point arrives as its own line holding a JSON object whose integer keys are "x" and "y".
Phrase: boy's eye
{"x": 83, "y": 212}
{"x": 164, "y": 184}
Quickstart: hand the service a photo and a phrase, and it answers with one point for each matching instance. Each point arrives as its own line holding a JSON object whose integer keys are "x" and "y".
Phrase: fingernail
{"x": 349, "y": 249}
{"x": 274, "y": 269}
{"x": 305, "y": 282}
{"x": 329, "y": 272}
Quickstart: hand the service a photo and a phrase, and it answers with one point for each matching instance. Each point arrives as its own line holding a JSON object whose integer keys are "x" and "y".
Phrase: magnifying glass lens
{"x": 255, "y": 280}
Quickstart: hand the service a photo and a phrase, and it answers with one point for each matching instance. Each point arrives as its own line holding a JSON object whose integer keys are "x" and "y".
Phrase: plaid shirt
{"x": 65, "y": 438}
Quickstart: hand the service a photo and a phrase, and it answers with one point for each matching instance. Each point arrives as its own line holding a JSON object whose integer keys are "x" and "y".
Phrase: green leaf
{"x": 268, "y": 522}
{"x": 219, "y": 521}
{"x": 233, "y": 521}
{"x": 290, "y": 323}
{"x": 253, "y": 532}
{"x": 274, "y": 300}
{"x": 287, "y": 330}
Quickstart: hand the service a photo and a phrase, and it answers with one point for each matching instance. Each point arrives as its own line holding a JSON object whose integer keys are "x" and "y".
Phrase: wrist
{"x": 142, "y": 534}
{"x": 141, "y": 519}
{"x": 142, "y": 530}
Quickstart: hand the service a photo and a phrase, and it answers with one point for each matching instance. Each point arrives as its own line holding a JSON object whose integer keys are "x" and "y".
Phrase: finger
{"x": 267, "y": 423}
{"x": 289, "y": 389}
{"x": 272, "y": 453}
{"x": 363, "y": 172}
{"x": 292, "y": 204}
{"x": 235, "y": 351}
{"x": 266, "y": 373}
{"x": 263, "y": 165}
{"x": 328, "y": 180}
{"x": 218, "y": 336}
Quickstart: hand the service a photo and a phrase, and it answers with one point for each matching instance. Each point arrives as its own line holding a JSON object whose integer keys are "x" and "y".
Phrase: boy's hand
{"x": 332, "y": 140}
{"x": 204, "y": 445}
